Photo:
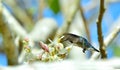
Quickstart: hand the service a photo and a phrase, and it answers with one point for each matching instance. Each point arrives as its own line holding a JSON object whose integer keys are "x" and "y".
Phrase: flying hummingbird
{"x": 77, "y": 40}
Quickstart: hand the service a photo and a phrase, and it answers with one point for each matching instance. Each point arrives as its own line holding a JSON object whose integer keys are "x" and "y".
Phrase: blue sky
{"x": 113, "y": 9}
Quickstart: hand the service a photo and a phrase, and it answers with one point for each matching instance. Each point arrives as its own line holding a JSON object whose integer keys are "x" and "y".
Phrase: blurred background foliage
{"x": 37, "y": 9}
{"x": 54, "y": 5}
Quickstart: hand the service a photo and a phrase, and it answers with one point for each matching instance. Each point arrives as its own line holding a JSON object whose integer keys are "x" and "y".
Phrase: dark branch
{"x": 99, "y": 30}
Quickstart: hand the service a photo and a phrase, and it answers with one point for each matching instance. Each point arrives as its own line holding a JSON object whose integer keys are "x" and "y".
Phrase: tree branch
{"x": 13, "y": 24}
{"x": 21, "y": 15}
{"x": 9, "y": 46}
{"x": 107, "y": 41}
{"x": 85, "y": 24}
{"x": 69, "y": 18}
{"x": 42, "y": 5}
{"x": 99, "y": 30}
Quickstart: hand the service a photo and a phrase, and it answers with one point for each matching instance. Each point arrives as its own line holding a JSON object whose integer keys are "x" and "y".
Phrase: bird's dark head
{"x": 68, "y": 37}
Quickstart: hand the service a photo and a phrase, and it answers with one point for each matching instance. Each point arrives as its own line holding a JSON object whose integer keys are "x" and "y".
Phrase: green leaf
{"x": 117, "y": 51}
{"x": 54, "y": 5}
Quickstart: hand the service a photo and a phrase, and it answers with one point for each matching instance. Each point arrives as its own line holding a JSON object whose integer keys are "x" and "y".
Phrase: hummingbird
{"x": 77, "y": 40}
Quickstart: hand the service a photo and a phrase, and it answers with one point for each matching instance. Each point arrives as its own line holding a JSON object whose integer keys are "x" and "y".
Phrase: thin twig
{"x": 71, "y": 17}
{"x": 85, "y": 24}
{"x": 41, "y": 8}
{"x": 68, "y": 21}
{"x": 25, "y": 4}
{"x": 99, "y": 30}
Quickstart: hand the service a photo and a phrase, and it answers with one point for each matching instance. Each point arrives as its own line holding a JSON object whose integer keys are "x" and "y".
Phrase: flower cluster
{"x": 51, "y": 52}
